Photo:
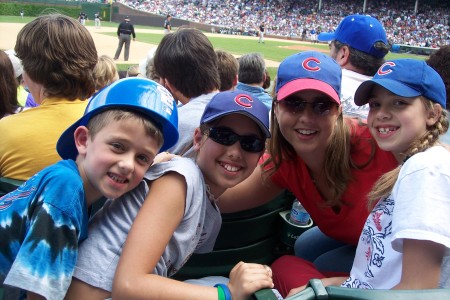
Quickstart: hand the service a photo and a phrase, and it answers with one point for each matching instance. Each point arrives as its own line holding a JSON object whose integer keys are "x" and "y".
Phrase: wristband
{"x": 221, "y": 294}
{"x": 225, "y": 290}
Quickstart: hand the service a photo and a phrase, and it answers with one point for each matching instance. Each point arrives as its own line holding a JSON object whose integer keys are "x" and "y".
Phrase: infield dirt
{"x": 107, "y": 44}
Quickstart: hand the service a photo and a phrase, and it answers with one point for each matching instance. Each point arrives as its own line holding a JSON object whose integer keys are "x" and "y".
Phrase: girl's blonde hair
{"x": 338, "y": 162}
{"x": 383, "y": 187}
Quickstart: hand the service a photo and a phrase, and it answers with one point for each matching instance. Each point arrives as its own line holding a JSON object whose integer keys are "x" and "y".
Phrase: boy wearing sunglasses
{"x": 175, "y": 214}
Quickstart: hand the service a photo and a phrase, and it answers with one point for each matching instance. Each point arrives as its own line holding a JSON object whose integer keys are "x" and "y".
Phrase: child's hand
{"x": 247, "y": 278}
{"x": 162, "y": 157}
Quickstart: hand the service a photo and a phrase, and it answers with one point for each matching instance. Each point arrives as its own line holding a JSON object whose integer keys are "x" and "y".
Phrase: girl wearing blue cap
{"x": 176, "y": 215}
{"x": 405, "y": 241}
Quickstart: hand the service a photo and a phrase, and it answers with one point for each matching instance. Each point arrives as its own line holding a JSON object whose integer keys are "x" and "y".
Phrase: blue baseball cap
{"x": 237, "y": 102}
{"x": 360, "y": 32}
{"x": 309, "y": 70}
{"x": 405, "y": 78}
{"x": 142, "y": 95}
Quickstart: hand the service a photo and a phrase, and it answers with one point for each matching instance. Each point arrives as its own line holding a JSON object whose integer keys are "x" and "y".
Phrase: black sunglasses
{"x": 227, "y": 137}
{"x": 320, "y": 108}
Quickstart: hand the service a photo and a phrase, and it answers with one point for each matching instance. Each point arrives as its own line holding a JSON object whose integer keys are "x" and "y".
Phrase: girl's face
{"x": 395, "y": 122}
{"x": 225, "y": 166}
{"x": 307, "y": 120}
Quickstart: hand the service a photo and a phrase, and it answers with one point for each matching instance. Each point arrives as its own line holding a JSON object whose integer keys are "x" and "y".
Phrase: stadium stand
{"x": 429, "y": 27}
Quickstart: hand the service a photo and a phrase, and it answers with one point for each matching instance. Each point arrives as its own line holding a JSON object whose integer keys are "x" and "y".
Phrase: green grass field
{"x": 272, "y": 49}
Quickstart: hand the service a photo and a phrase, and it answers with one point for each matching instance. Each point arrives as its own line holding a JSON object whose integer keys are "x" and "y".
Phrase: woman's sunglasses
{"x": 320, "y": 108}
{"x": 227, "y": 137}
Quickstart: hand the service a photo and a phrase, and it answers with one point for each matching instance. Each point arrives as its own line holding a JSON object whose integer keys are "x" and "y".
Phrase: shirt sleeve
{"x": 47, "y": 256}
{"x": 422, "y": 201}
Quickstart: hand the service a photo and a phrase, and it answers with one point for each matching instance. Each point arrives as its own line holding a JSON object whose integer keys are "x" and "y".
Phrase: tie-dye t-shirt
{"x": 41, "y": 224}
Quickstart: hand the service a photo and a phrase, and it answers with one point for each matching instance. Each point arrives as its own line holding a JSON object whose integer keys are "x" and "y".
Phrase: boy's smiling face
{"x": 115, "y": 160}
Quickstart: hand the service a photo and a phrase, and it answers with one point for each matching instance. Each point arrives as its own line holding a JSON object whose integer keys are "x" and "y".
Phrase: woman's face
{"x": 307, "y": 120}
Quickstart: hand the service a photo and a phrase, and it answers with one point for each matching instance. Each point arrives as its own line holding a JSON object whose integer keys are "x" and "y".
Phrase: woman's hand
{"x": 247, "y": 278}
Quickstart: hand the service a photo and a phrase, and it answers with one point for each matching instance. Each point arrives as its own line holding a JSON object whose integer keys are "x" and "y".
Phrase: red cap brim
{"x": 303, "y": 84}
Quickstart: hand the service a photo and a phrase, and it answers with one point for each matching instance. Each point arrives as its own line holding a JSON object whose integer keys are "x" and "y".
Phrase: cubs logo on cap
{"x": 309, "y": 70}
{"x": 240, "y": 102}
{"x": 405, "y": 78}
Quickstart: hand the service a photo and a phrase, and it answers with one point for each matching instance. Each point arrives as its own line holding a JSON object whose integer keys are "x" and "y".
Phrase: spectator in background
{"x": 146, "y": 66}
{"x": 58, "y": 56}
{"x": 105, "y": 72}
{"x": 268, "y": 81}
{"x": 133, "y": 71}
{"x": 228, "y": 70}
{"x": 359, "y": 46}
{"x": 18, "y": 69}
{"x": 8, "y": 87}
{"x": 252, "y": 75}
{"x": 124, "y": 33}
{"x": 440, "y": 62}
{"x": 186, "y": 62}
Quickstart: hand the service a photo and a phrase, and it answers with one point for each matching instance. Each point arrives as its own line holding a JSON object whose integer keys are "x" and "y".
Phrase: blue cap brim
{"x": 364, "y": 91}
{"x": 141, "y": 95}
{"x": 326, "y": 36}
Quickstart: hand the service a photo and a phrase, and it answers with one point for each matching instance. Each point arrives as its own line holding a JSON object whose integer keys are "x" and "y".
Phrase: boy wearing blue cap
{"x": 358, "y": 45}
{"x": 176, "y": 215}
{"x": 106, "y": 154}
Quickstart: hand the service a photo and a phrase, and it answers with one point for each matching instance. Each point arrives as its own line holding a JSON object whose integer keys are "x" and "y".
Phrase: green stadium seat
{"x": 8, "y": 185}
{"x": 316, "y": 291}
{"x": 251, "y": 236}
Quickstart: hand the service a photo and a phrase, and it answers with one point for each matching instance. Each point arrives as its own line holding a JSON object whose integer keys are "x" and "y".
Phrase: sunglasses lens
{"x": 252, "y": 144}
{"x": 223, "y": 136}
{"x": 322, "y": 108}
{"x": 227, "y": 137}
{"x": 295, "y": 106}
{"x": 292, "y": 106}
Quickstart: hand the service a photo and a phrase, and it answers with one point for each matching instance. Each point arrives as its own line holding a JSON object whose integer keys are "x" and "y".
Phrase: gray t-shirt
{"x": 99, "y": 254}
{"x": 189, "y": 116}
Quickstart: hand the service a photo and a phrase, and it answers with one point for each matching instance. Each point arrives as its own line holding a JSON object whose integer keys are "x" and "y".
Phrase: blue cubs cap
{"x": 142, "y": 95}
{"x": 309, "y": 70}
{"x": 405, "y": 78}
{"x": 360, "y": 32}
{"x": 237, "y": 102}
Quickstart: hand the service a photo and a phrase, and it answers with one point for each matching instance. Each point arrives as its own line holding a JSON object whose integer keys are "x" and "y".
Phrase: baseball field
{"x": 105, "y": 38}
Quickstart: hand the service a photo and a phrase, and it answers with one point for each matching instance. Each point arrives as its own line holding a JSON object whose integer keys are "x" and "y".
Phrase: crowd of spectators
{"x": 429, "y": 27}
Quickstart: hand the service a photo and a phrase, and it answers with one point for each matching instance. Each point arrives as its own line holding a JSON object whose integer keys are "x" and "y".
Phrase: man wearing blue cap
{"x": 359, "y": 45}
{"x": 105, "y": 154}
